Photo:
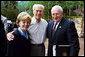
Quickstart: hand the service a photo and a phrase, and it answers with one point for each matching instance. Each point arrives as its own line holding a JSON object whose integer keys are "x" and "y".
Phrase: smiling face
{"x": 38, "y": 12}
{"x": 24, "y": 24}
{"x": 57, "y": 14}
{"x": 23, "y": 21}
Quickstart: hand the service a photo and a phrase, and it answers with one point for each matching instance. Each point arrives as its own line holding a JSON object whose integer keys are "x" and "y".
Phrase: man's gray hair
{"x": 34, "y": 6}
{"x": 57, "y": 6}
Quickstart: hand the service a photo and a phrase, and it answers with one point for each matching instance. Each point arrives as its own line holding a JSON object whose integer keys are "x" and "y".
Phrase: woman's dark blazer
{"x": 20, "y": 46}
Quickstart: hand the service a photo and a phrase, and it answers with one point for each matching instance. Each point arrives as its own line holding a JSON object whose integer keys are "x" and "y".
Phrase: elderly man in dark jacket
{"x": 62, "y": 34}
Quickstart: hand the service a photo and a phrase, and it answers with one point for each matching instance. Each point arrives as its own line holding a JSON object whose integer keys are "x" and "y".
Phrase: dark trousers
{"x": 37, "y": 50}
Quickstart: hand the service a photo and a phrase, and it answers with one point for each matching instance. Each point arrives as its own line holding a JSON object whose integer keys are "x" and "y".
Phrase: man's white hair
{"x": 34, "y": 6}
{"x": 57, "y": 6}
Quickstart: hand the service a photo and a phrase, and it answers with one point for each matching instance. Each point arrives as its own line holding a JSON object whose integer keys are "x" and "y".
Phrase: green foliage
{"x": 22, "y": 6}
{"x": 9, "y": 10}
{"x": 49, "y": 4}
{"x": 71, "y": 17}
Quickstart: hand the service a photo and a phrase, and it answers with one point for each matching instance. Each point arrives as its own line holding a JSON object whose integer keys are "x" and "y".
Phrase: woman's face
{"x": 24, "y": 24}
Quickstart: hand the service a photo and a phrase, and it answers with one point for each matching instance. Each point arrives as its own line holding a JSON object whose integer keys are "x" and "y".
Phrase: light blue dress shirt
{"x": 22, "y": 33}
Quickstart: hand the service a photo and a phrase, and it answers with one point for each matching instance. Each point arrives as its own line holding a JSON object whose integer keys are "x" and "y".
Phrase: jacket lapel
{"x": 51, "y": 28}
{"x": 59, "y": 28}
{"x": 20, "y": 36}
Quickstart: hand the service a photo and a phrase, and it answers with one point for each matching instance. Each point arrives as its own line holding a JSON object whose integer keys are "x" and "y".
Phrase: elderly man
{"x": 37, "y": 31}
{"x": 62, "y": 34}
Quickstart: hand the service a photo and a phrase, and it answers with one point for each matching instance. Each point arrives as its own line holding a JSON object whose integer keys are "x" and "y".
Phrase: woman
{"x": 20, "y": 46}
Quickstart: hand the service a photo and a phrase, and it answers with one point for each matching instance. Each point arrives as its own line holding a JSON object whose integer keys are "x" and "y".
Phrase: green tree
{"x": 22, "y": 5}
{"x": 9, "y": 9}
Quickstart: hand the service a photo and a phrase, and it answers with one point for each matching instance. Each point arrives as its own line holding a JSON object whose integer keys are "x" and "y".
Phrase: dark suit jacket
{"x": 20, "y": 46}
{"x": 3, "y": 40}
{"x": 66, "y": 34}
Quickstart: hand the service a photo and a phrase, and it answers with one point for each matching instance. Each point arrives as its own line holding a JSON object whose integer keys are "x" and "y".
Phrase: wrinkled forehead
{"x": 38, "y": 8}
{"x": 56, "y": 10}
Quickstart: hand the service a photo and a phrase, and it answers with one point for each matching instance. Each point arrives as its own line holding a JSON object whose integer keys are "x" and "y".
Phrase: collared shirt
{"x": 57, "y": 24}
{"x": 22, "y": 33}
{"x": 38, "y": 31}
{"x": 54, "y": 46}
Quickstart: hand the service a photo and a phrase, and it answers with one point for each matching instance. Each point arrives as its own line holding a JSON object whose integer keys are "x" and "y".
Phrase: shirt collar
{"x": 22, "y": 33}
{"x": 57, "y": 22}
{"x": 34, "y": 20}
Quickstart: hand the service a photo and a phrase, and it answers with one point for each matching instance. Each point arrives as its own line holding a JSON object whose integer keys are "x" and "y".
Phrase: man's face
{"x": 56, "y": 14}
{"x": 38, "y": 12}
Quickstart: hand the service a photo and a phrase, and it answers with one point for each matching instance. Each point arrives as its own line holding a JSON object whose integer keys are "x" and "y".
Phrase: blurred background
{"x": 73, "y": 10}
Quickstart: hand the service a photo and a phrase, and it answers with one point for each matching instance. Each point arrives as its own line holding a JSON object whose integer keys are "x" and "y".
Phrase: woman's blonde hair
{"x": 23, "y": 16}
